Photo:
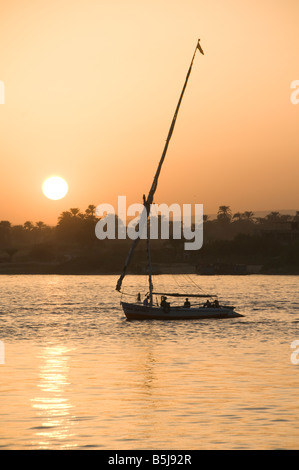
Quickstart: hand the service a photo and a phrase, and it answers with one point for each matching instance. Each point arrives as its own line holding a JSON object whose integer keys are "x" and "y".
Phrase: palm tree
{"x": 237, "y": 216}
{"x": 248, "y": 215}
{"x": 5, "y": 224}
{"x": 28, "y": 226}
{"x": 40, "y": 225}
{"x": 65, "y": 215}
{"x": 75, "y": 212}
{"x": 224, "y": 213}
{"x": 90, "y": 211}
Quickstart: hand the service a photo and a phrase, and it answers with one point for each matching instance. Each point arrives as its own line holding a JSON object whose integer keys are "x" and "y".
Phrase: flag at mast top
{"x": 200, "y": 48}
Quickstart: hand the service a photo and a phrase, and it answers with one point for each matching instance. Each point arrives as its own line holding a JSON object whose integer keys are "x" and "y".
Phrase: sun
{"x": 55, "y": 188}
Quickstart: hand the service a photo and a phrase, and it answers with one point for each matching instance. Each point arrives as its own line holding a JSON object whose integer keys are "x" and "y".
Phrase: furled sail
{"x": 184, "y": 295}
{"x": 149, "y": 200}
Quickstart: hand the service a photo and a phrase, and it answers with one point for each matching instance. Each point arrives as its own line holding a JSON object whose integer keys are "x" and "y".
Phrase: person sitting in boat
{"x": 216, "y": 303}
{"x": 208, "y": 304}
{"x": 187, "y": 303}
{"x": 146, "y": 300}
{"x": 165, "y": 305}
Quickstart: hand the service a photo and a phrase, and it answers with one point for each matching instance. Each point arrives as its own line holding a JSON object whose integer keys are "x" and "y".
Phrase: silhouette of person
{"x": 165, "y": 305}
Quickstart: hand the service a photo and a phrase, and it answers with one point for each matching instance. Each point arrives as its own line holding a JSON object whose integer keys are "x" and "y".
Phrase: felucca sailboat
{"x": 164, "y": 310}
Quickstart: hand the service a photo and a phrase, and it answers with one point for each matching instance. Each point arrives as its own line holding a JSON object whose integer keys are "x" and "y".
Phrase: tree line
{"x": 77, "y": 227}
{"x": 228, "y": 236}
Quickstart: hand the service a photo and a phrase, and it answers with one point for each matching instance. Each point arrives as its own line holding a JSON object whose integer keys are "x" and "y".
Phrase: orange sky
{"x": 91, "y": 87}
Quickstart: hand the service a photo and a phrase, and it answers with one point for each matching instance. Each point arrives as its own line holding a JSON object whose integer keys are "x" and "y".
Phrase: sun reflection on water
{"x": 51, "y": 405}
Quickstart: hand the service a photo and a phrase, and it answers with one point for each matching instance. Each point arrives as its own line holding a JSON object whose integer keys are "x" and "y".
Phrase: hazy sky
{"x": 91, "y": 87}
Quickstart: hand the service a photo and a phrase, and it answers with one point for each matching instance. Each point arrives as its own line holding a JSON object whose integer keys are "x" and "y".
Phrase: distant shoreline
{"x": 46, "y": 269}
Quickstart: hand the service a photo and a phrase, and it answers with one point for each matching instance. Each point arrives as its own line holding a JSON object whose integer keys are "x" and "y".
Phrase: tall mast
{"x": 149, "y": 200}
{"x": 149, "y": 270}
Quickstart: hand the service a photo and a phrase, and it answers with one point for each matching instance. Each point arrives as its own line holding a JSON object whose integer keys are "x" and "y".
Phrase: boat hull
{"x": 141, "y": 312}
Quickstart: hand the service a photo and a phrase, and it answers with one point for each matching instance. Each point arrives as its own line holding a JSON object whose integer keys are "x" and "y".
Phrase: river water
{"x": 75, "y": 374}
